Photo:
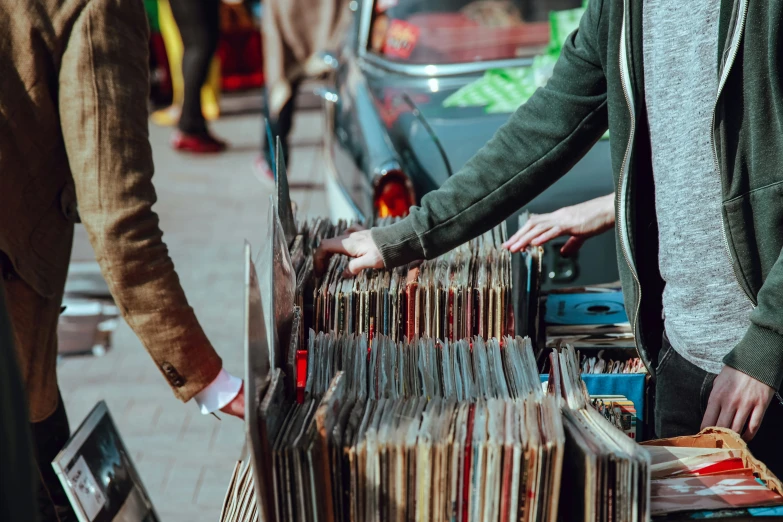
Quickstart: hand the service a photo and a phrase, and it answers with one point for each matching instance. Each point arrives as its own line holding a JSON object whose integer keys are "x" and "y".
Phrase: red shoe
{"x": 198, "y": 143}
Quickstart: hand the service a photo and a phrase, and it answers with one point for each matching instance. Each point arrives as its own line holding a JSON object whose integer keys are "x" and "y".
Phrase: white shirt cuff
{"x": 219, "y": 393}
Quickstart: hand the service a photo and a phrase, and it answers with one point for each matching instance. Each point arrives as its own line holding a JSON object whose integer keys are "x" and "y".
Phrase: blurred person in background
{"x": 199, "y": 24}
{"x": 295, "y": 33}
{"x": 75, "y": 79}
{"x": 174, "y": 48}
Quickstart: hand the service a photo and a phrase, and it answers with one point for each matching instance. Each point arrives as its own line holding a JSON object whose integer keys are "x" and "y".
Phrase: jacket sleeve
{"x": 760, "y": 352}
{"x": 103, "y": 88}
{"x": 538, "y": 145}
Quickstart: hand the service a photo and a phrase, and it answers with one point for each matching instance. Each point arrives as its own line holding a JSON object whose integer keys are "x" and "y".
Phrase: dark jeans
{"x": 681, "y": 394}
{"x": 199, "y": 24}
{"x": 18, "y": 474}
{"x": 280, "y": 126}
{"x": 49, "y": 437}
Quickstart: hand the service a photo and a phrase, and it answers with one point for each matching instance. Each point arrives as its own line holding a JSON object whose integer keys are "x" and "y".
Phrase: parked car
{"x": 390, "y": 139}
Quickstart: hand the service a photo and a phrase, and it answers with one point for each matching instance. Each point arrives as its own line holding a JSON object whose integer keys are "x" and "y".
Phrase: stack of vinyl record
{"x": 240, "y": 503}
{"x": 588, "y": 318}
{"x": 410, "y": 449}
{"x": 464, "y": 293}
{"x": 404, "y": 395}
{"x": 608, "y": 473}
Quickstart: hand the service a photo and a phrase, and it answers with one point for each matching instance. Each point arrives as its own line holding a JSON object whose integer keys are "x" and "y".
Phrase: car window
{"x": 461, "y": 31}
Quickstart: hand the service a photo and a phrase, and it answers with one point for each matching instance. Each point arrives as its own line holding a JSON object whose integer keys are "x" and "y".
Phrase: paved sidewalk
{"x": 207, "y": 206}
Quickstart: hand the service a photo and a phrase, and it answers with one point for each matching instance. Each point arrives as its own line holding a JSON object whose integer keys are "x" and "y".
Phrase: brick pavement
{"x": 207, "y": 206}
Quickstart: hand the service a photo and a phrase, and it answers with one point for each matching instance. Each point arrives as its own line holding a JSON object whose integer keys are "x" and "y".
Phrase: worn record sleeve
{"x": 271, "y": 417}
{"x": 532, "y": 437}
{"x": 293, "y": 347}
{"x": 478, "y": 462}
{"x": 457, "y": 437}
{"x": 358, "y": 413}
{"x": 246, "y": 499}
{"x": 340, "y": 480}
{"x": 512, "y": 466}
{"x": 325, "y": 419}
{"x": 414, "y": 431}
{"x": 411, "y": 288}
{"x": 283, "y": 201}
{"x": 361, "y": 461}
{"x": 283, "y": 510}
{"x": 399, "y": 461}
{"x": 551, "y": 411}
{"x": 424, "y": 460}
{"x": 283, "y": 283}
{"x": 230, "y": 499}
{"x": 494, "y": 452}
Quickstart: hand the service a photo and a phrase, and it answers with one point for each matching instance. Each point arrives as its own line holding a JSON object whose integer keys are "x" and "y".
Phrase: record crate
{"x": 593, "y": 320}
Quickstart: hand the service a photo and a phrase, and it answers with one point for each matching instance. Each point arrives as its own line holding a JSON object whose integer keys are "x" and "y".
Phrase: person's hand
{"x": 237, "y": 406}
{"x": 358, "y": 245}
{"x": 581, "y": 222}
{"x": 738, "y": 402}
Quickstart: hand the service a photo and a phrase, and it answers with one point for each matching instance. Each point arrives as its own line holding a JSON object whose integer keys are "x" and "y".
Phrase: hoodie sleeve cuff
{"x": 760, "y": 355}
{"x": 399, "y": 244}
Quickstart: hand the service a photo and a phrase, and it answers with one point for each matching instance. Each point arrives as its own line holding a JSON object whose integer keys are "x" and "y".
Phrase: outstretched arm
{"x": 102, "y": 101}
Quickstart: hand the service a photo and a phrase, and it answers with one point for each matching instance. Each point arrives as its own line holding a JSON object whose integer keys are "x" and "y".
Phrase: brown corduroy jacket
{"x": 74, "y": 79}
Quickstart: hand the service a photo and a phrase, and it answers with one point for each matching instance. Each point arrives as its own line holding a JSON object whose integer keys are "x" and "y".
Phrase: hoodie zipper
{"x": 724, "y": 74}
{"x": 624, "y": 169}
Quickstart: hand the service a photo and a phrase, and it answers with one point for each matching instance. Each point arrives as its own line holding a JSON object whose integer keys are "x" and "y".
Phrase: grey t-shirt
{"x": 706, "y": 312}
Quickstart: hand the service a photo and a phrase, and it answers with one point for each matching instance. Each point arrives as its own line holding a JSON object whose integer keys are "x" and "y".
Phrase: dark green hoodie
{"x": 598, "y": 83}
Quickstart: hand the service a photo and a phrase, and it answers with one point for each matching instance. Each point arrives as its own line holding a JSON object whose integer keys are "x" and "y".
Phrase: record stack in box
{"x": 593, "y": 320}
{"x": 406, "y": 395}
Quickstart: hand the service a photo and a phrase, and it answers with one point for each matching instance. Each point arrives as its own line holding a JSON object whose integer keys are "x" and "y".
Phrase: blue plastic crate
{"x": 630, "y": 385}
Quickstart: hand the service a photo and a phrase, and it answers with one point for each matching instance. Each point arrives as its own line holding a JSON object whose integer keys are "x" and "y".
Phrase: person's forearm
{"x": 605, "y": 212}
{"x": 102, "y": 101}
{"x": 540, "y": 143}
{"x": 760, "y": 352}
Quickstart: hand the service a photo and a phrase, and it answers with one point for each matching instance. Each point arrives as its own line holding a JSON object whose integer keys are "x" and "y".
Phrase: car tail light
{"x": 394, "y": 195}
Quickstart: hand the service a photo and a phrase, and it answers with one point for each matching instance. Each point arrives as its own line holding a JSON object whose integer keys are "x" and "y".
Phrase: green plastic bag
{"x": 504, "y": 90}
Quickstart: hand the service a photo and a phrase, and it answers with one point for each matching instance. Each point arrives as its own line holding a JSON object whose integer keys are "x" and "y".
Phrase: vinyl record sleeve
{"x": 98, "y": 475}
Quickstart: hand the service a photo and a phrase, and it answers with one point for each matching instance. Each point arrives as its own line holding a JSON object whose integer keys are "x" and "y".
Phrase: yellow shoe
{"x": 167, "y": 117}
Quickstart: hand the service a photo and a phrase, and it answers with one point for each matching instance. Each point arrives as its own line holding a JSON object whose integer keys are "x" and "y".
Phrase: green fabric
{"x": 18, "y": 472}
{"x": 546, "y": 136}
{"x": 504, "y": 90}
{"x": 152, "y": 15}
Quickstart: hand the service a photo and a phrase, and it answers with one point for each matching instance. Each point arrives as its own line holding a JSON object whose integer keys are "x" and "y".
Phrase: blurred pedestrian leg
{"x": 295, "y": 34}
{"x": 18, "y": 473}
{"x": 281, "y": 124}
{"x": 210, "y": 92}
{"x": 199, "y": 25}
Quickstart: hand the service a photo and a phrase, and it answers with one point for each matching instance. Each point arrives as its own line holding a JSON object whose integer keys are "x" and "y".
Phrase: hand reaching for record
{"x": 358, "y": 245}
{"x": 581, "y": 222}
